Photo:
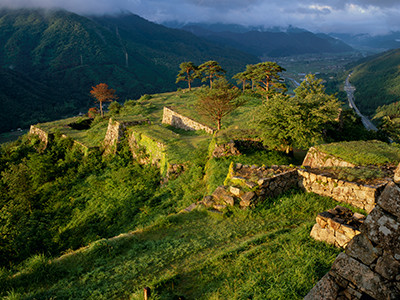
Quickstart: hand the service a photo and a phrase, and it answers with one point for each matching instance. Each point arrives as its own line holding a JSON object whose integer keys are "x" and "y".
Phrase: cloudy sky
{"x": 356, "y": 16}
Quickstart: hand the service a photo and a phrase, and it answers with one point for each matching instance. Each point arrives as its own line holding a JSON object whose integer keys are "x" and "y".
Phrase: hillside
{"x": 377, "y": 81}
{"x": 270, "y": 43}
{"x": 67, "y": 54}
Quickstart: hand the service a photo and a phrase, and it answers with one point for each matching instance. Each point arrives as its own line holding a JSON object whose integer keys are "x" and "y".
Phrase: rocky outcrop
{"x": 337, "y": 226}
{"x": 359, "y": 195}
{"x": 174, "y": 119}
{"x": 319, "y": 159}
{"x": 227, "y": 149}
{"x": 370, "y": 266}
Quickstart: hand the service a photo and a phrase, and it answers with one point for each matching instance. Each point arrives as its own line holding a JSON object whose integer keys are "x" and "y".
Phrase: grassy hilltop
{"x": 58, "y": 200}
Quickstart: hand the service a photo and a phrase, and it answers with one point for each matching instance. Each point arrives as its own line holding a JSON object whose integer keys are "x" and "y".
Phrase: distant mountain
{"x": 274, "y": 42}
{"x": 66, "y": 54}
{"x": 377, "y": 43}
{"x": 377, "y": 80}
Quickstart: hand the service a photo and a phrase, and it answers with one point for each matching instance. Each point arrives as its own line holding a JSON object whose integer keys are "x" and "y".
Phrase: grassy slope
{"x": 261, "y": 254}
{"x": 364, "y": 152}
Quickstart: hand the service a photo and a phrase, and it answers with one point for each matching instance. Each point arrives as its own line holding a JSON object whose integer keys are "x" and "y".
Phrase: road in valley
{"x": 350, "y": 96}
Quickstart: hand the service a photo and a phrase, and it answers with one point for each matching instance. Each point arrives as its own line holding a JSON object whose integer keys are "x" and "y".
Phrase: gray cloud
{"x": 373, "y": 16}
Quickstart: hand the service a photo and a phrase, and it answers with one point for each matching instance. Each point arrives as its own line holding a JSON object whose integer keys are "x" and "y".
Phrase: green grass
{"x": 264, "y": 253}
{"x": 364, "y": 152}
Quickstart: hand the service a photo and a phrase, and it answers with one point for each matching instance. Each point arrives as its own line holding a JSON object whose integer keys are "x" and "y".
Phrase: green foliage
{"x": 377, "y": 81}
{"x": 217, "y": 168}
{"x": 51, "y": 58}
{"x": 265, "y": 253}
{"x": 286, "y": 122}
{"x": 219, "y": 101}
{"x": 364, "y": 153}
{"x": 357, "y": 174}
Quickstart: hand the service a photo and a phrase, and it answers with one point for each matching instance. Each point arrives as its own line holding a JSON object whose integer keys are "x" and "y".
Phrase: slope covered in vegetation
{"x": 377, "y": 81}
{"x": 69, "y": 53}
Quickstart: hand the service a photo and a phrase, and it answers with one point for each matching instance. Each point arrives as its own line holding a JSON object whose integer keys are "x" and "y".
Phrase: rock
{"x": 323, "y": 234}
{"x": 235, "y": 191}
{"x": 208, "y": 201}
{"x": 362, "y": 276}
{"x": 362, "y": 249}
{"x": 325, "y": 289}
{"x": 387, "y": 266}
{"x": 248, "y": 197}
{"x": 251, "y": 184}
{"x": 389, "y": 199}
{"x": 219, "y": 207}
{"x": 229, "y": 200}
{"x": 381, "y": 228}
{"x": 239, "y": 166}
{"x": 396, "y": 176}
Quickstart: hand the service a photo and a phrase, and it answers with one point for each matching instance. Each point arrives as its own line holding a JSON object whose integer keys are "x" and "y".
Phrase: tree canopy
{"x": 102, "y": 93}
{"x": 297, "y": 122}
{"x": 218, "y": 102}
{"x": 187, "y": 73}
{"x": 266, "y": 75}
{"x": 209, "y": 71}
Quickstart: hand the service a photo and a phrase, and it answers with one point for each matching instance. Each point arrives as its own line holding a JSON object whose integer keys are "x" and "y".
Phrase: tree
{"x": 102, "y": 93}
{"x": 218, "y": 102}
{"x": 187, "y": 73}
{"x": 210, "y": 70}
{"x": 287, "y": 122}
{"x": 241, "y": 78}
{"x": 266, "y": 75}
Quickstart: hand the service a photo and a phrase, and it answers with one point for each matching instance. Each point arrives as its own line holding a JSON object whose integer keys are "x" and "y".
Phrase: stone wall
{"x": 370, "y": 266}
{"x": 43, "y": 135}
{"x": 356, "y": 194}
{"x": 337, "y": 226}
{"x": 172, "y": 118}
{"x": 318, "y": 159}
{"x": 115, "y": 132}
{"x": 247, "y": 185}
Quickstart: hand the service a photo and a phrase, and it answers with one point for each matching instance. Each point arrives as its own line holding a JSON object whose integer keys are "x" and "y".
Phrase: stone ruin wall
{"x": 115, "y": 132}
{"x": 318, "y": 159}
{"x": 370, "y": 266}
{"x": 337, "y": 226}
{"x": 43, "y": 135}
{"x": 358, "y": 195}
{"x": 174, "y": 119}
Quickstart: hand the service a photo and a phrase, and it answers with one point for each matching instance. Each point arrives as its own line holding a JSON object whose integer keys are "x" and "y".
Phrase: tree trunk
{"x": 190, "y": 86}
{"x": 101, "y": 109}
{"x": 219, "y": 124}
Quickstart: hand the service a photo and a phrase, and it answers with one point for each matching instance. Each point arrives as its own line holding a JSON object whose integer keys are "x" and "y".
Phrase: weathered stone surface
{"x": 235, "y": 191}
{"x": 323, "y": 234}
{"x": 390, "y": 199}
{"x": 396, "y": 176}
{"x": 318, "y": 159}
{"x": 387, "y": 266}
{"x": 326, "y": 289}
{"x": 172, "y": 118}
{"x": 229, "y": 200}
{"x": 219, "y": 207}
{"x": 361, "y": 248}
{"x": 382, "y": 229}
{"x": 361, "y": 276}
{"x": 208, "y": 201}
{"x": 248, "y": 197}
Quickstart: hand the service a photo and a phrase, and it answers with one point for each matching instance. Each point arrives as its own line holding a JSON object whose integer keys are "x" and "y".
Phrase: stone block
{"x": 323, "y": 234}
{"x": 248, "y": 197}
{"x": 389, "y": 200}
{"x": 361, "y": 248}
{"x": 235, "y": 191}
{"x": 381, "y": 228}
{"x": 387, "y": 266}
{"x": 361, "y": 276}
{"x": 326, "y": 289}
{"x": 396, "y": 176}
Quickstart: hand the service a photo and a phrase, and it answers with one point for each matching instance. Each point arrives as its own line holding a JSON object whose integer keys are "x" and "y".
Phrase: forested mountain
{"x": 271, "y": 42}
{"x": 50, "y": 59}
{"x": 369, "y": 42}
{"x": 377, "y": 81}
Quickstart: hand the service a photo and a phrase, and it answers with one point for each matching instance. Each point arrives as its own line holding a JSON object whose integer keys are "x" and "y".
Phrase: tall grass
{"x": 264, "y": 253}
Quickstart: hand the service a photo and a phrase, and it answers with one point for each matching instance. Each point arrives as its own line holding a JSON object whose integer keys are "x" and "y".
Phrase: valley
{"x": 195, "y": 161}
